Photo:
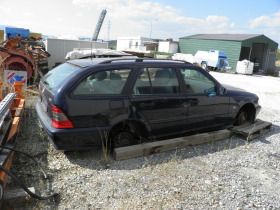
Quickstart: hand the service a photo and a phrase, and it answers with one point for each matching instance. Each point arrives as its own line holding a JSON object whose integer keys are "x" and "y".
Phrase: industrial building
{"x": 254, "y": 47}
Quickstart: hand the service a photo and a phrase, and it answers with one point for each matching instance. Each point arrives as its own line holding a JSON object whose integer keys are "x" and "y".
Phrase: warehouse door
{"x": 270, "y": 63}
{"x": 257, "y": 55}
{"x": 245, "y": 53}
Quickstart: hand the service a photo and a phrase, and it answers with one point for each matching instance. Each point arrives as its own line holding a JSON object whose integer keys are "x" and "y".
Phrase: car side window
{"x": 196, "y": 82}
{"x": 103, "y": 83}
{"x": 156, "y": 81}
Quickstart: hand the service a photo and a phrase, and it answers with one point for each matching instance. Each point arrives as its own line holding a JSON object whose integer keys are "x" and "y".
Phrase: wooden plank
{"x": 123, "y": 153}
{"x": 21, "y": 103}
{"x": 16, "y": 120}
{"x": 32, "y": 91}
{"x": 15, "y": 198}
{"x": 251, "y": 128}
{"x": 14, "y": 127}
{"x": 19, "y": 110}
{"x": 252, "y": 131}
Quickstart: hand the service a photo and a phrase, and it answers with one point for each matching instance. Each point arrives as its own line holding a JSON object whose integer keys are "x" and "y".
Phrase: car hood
{"x": 239, "y": 91}
{"x": 229, "y": 87}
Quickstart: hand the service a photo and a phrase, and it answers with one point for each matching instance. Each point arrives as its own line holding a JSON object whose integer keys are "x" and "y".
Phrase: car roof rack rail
{"x": 141, "y": 60}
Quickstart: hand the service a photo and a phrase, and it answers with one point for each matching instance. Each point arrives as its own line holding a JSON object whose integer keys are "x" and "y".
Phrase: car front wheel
{"x": 242, "y": 118}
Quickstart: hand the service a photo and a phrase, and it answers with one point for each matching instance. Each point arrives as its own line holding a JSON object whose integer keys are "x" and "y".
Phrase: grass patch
{"x": 106, "y": 149}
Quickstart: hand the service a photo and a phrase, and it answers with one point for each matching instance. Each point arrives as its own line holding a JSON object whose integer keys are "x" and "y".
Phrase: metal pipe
{"x": 5, "y": 104}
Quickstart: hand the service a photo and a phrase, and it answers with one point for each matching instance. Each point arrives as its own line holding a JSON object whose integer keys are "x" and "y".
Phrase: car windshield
{"x": 54, "y": 77}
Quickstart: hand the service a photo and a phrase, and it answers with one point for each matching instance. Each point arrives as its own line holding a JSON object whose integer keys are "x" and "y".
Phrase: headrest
{"x": 163, "y": 73}
{"x": 100, "y": 75}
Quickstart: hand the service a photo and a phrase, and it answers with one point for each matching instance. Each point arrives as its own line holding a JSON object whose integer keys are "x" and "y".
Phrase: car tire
{"x": 123, "y": 139}
{"x": 242, "y": 118}
{"x": 204, "y": 66}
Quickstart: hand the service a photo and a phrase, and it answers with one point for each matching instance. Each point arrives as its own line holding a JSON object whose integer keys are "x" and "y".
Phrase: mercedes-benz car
{"x": 127, "y": 100}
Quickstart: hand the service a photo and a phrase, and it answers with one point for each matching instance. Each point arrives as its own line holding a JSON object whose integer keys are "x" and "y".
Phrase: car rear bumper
{"x": 73, "y": 138}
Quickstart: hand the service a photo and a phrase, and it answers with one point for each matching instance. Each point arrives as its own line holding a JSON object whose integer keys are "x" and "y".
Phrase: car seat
{"x": 161, "y": 82}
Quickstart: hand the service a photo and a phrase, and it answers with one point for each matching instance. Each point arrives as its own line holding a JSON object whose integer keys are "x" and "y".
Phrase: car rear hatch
{"x": 46, "y": 100}
{"x": 48, "y": 88}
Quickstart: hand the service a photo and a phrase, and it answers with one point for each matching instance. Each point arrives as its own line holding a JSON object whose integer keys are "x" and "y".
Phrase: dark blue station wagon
{"x": 125, "y": 101}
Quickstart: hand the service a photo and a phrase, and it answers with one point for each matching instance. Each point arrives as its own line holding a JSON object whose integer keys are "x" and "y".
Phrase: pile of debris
{"x": 23, "y": 55}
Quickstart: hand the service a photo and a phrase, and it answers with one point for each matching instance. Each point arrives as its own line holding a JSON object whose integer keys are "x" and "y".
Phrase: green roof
{"x": 229, "y": 37}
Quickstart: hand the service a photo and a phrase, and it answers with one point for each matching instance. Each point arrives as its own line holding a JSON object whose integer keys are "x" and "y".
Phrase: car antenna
{"x": 91, "y": 51}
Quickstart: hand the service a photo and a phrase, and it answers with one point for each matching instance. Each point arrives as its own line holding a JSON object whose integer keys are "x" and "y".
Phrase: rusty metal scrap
{"x": 19, "y": 54}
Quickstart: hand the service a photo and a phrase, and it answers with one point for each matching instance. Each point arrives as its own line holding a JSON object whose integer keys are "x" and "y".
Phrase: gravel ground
{"x": 228, "y": 174}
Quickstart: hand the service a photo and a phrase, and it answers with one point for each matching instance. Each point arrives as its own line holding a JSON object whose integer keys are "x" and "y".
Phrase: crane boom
{"x": 98, "y": 25}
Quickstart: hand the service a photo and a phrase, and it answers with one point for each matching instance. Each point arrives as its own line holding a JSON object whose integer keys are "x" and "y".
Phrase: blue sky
{"x": 169, "y": 19}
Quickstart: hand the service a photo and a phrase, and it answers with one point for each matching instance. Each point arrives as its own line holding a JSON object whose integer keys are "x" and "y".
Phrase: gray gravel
{"x": 228, "y": 174}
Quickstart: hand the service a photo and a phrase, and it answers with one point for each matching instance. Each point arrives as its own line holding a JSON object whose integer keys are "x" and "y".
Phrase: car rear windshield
{"x": 54, "y": 78}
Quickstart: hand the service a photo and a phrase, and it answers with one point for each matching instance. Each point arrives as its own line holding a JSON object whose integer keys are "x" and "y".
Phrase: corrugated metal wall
{"x": 58, "y": 48}
{"x": 271, "y": 61}
{"x": 231, "y": 48}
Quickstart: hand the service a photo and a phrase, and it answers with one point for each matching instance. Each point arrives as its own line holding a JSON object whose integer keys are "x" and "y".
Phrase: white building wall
{"x": 58, "y": 48}
{"x": 174, "y": 47}
{"x": 163, "y": 46}
{"x": 168, "y": 47}
{"x": 132, "y": 43}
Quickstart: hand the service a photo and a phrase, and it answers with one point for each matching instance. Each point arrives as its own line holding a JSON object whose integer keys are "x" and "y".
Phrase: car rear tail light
{"x": 59, "y": 119}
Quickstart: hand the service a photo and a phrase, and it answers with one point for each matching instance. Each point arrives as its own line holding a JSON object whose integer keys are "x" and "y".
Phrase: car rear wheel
{"x": 123, "y": 139}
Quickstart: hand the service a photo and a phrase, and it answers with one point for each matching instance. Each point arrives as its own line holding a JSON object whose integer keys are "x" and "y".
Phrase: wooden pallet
{"x": 248, "y": 132}
{"x": 139, "y": 150}
{"x": 251, "y": 131}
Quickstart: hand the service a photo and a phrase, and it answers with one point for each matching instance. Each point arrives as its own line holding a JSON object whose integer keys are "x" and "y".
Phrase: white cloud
{"x": 68, "y": 36}
{"x": 5, "y": 9}
{"x": 80, "y": 14}
{"x": 268, "y": 25}
{"x": 27, "y": 14}
{"x": 128, "y": 19}
{"x": 215, "y": 19}
{"x": 269, "y": 21}
{"x": 59, "y": 19}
